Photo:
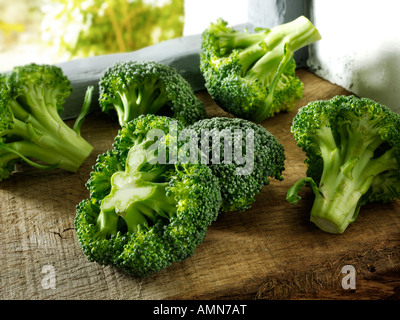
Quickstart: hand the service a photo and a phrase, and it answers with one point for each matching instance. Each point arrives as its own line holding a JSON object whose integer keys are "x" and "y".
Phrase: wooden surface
{"x": 271, "y": 251}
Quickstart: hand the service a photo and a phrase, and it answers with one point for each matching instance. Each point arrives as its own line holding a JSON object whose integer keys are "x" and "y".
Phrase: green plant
{"x": 133, "y": 88}
{"x": 144, "y": 214}
{"x": 242, "y": 155}
{"x": 31, "y": 129}
{"x": 353, "y": 155}
{"x": 252, "y": 75}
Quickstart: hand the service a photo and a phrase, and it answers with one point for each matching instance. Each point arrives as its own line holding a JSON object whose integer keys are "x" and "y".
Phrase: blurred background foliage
{"x": 58, "y": 30}
{"x": 84, "y": 28}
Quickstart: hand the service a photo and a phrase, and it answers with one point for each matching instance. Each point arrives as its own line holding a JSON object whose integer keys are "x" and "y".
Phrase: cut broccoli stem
{"x": 341, "y": 188}
{"x": 145, "y": 209}
{"x": 139, "y": 197}
{"x": 336, "y": 206}
{"x": 334, "y": 215}
{"x": 297, "y": 34}
{"x": 71, "y": 149}
{"x": 283, "y": 40}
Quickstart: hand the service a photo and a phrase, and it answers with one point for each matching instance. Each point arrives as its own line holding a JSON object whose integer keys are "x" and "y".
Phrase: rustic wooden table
{"x": 271, "y": 251}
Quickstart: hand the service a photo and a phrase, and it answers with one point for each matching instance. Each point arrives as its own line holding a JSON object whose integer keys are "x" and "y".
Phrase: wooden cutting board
{"x": 271, "y": 251}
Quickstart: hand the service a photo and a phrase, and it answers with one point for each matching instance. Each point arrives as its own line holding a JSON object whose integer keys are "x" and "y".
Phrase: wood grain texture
{"x": 271, "y": 251}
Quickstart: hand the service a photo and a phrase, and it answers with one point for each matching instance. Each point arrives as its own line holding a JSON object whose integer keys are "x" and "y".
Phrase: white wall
{"x": 200, "y": 13}
{"x": 360, "y": 47}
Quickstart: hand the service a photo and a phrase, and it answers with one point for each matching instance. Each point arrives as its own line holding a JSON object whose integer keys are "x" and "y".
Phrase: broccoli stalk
{"x": 342, "y": 187}
{"x": 138, "y": 197}
{"x": 357, "y": 145}
{"x": 48, "y": 140}
{"x": 251, "y": 75}
{"x": 346, "y": 177}
{"x": 265, "y": 60}
{"x": 32, "y": 98}
{"x": 140, "y": 98}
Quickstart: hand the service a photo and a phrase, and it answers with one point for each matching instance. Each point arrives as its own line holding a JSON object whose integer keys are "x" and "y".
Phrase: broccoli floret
{"x": 353, "y": 155}
{"x": 133, "y": 88}
{"x": 144, "y": 214}
{"x": 31, "y": 129}
{"x": 243, "y": 155}
{"x": 252, "y": 75}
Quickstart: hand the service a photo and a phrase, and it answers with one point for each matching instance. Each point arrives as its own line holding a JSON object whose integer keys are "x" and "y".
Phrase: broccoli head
{"x": 252, "y": 75}
{"x": 243, "y": 155}
{"x": 353, "y": 157}
{"x": 134, "y": 88}
{"x": 144, "y": 214}
{"x": 31, "y": 129}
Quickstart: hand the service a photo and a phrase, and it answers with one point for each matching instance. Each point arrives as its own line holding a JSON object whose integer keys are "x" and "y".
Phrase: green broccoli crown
{"x": 247, "y": 158}
{"x": 353, "y": 155}
{"x": 31, "y": 129}
{"x": 135, "y": 88}
{"x": 252, "y": 75}
{"x": 41, "y": 81}
{"x": 144, "y": 214}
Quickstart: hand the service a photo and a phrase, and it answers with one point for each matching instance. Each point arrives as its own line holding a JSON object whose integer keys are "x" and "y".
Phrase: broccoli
{"x": 144, "y": 214}
{"x": 252, "y": 75}
{"x": 353, "y": 155}
{"x": 243, "y": 155}
{"x": 31, "y": 129}
{"x": 133, "y": 88}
